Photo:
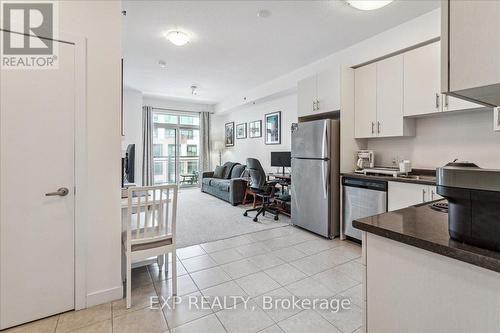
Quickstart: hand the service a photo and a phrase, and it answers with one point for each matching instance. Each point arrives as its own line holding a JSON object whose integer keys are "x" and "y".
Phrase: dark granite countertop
{"x": 425, "y": 228}
{"x": 426, "y": 178}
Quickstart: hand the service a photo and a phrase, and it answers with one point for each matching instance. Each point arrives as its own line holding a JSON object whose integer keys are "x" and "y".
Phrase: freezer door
{"x": 311, "y": 195}
{"x": 311, "y": 139}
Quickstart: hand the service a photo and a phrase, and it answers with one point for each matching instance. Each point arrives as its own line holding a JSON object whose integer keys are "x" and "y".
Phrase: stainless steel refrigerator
{"x": 315, "y": 176}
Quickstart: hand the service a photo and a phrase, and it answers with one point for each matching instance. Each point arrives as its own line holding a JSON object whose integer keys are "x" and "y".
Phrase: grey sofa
{"x": 230, "y": 188}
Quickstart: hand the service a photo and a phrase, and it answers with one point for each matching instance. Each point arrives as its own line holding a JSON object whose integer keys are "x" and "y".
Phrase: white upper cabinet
{"x": 328, "y": 91}
{"x": 365, "y": 101}
{"x": 319, "y": 93}
{"x": 306, "y": 96}
{"x": 470, "y": 32}
{"x": 378, "y": 100}
{"x": 390, "y": 121}
{"x": 422, "y": 94}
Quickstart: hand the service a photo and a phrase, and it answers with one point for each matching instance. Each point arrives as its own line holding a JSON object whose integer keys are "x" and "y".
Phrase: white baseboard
{"x": 104, "y": 296}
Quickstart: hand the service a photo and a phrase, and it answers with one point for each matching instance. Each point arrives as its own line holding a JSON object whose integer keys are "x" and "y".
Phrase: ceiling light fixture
{"x": 263, "y": 13}
{"x": 368, "y": 4}
{"x": 177, "y": 37}
{"x": 162, "y": 64}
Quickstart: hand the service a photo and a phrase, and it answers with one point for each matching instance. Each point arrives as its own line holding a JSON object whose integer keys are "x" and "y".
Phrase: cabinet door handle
{"x": 446, "y": 101}
{"x": 437, "y": 101}
{"x": 378, "y": 127}
{"x": 432, "y": 195}
{"x": 314, "y": 106}
{"x": 423, "y": 195}
{"x": 373, "y": 127}
{"x": 317, "y": 105}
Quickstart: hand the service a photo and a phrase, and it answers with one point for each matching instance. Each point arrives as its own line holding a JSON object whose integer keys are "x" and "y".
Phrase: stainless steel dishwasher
{"x": 361, "y": 198}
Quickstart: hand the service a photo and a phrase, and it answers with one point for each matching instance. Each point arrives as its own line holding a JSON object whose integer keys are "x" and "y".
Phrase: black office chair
{"x": 262, "y": 188}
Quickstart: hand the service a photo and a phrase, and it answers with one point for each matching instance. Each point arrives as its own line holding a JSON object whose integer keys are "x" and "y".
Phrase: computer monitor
{"x": 281, "y": 159}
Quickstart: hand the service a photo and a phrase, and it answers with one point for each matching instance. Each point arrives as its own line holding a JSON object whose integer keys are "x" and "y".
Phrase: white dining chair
{"x": 150, "y": 231}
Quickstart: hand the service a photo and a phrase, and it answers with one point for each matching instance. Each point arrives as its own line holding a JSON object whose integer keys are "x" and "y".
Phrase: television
{"x": 281, "y": 159}
{"x": 128, "y": 165}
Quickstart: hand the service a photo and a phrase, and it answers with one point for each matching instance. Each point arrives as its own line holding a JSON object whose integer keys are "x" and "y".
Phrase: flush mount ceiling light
{"x": 177, "y": 37}
{"x": 263, "y": 13}
{"x": 368, "y": 4}
{"x": 194, "y": 89}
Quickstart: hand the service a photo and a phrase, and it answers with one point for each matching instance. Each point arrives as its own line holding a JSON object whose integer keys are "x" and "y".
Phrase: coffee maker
{"x": 366, "y": 160}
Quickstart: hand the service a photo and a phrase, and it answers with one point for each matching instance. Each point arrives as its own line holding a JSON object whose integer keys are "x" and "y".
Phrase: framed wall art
{"x": 255, "y": 129}
{"x": 229, "y": 134}
{"x": 241, "y": 131}
{"x": 273, "y": 128}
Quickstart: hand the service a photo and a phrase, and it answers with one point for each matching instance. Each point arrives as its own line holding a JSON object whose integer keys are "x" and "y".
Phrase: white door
{"x": 37, "y": 157}
{"x": 390, "y": 96}
{"x": 306, "y": 95}
{"x": 328, "y": 91}
{"x": 422, "y": 89}
{"x": 365, "y": 101}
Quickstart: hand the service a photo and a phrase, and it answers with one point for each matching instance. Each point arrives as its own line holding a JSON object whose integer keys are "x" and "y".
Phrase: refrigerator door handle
{"x": 325, "y": 183}
{"x": 324, "y": 146}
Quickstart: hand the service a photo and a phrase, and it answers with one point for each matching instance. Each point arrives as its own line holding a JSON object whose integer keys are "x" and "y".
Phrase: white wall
{"x": 100, "y": 22}
{"x": 440, "y": 139}
{"x": 132, "y": 127}
{"x": 255, "y": 147}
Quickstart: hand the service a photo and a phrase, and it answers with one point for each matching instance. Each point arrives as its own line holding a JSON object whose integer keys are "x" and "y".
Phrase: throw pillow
{"x": 219, "y": 171}
{"x": 238, "y": 171}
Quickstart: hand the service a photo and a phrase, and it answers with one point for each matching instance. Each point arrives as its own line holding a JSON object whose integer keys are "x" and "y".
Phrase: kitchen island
{"x": 419, "y": 280}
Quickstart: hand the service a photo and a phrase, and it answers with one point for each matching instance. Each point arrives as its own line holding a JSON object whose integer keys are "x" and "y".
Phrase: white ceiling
{"x": 233, "y": 50}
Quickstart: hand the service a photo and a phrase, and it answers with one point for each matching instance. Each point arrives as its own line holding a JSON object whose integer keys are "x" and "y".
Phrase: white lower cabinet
{"x": 402, "y": 195}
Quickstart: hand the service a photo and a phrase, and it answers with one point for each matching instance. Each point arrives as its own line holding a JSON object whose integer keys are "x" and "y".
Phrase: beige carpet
{"x": 203, "y": 218}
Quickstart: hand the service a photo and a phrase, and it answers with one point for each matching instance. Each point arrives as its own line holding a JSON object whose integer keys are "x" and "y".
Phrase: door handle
{"x": 378, "y": 127}
{"x": 317, "y": 105}
{"x": 62, "y": 192}
{"x": 437, "y": 101}
{"x": 423, "y": 195}
{"x": 432, "y": 195}
{"x": 446, "y": 101}
{"x": 314, "y": 106}
{"x": 373, "y": 127}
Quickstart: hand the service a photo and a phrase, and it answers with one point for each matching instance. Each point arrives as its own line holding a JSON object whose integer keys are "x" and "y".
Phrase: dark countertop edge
{"x": 454, "y": 253}
{"x": 389, "y": 178}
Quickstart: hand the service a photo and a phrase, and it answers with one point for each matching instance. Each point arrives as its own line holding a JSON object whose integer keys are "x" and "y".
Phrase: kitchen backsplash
{"x": 440, "y": 139}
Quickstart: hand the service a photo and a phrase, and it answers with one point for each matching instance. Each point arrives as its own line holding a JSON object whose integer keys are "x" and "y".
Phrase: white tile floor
{"x": 282, "y": 262}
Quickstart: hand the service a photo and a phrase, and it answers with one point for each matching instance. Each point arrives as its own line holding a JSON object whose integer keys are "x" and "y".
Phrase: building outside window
{"x": 176, "y": 147}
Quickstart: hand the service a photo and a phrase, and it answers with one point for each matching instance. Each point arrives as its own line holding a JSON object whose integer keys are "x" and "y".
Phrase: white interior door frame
{"x": 80, "y": 167}
{"x": 81, "y": 181}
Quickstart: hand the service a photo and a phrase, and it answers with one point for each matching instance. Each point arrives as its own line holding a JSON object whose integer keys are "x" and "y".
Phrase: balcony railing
{"x": 165, "y": 170}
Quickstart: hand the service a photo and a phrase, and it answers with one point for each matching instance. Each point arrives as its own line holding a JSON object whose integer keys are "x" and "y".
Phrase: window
{"x": 192, "y": 166}
{"x": 158, "y": 168}
{"x": 189, "y": 120}
{"x": 171, "y": 150}
{"x": 192, "y": 150}
{"x": 157, "y": 150}
{"x": 164, "y": 118}
{"x": 176, "y": 146}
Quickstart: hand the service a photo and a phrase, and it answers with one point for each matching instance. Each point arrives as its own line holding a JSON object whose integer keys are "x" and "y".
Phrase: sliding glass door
{"x": 176, "y": 148}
